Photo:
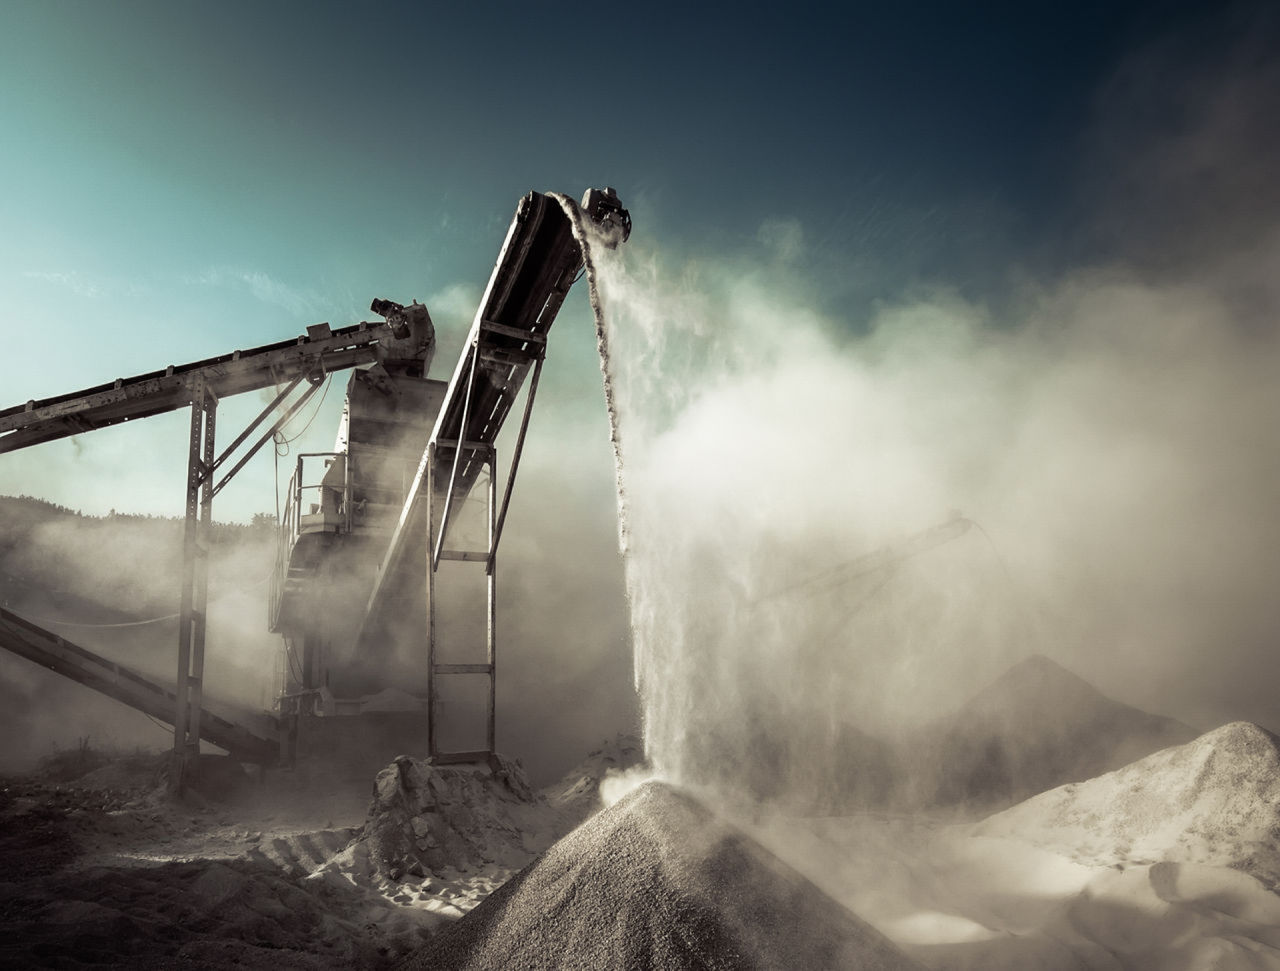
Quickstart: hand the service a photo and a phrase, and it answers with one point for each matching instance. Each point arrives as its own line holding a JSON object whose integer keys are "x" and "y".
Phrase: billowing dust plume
{"x": 1110, "y": 441}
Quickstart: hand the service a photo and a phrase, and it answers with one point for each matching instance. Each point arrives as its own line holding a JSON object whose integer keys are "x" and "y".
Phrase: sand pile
{"x": 1214, "y": 801}
{"x": 428, "y": 818}
{"x": 1039, "y": 726}
{"x": 577, "y": 794}
{"x": 656, "y": 881}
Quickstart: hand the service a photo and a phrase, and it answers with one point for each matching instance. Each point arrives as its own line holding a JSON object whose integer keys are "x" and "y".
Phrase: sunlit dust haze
{"x": 1105, "y": 446}
{"x": 940, "y": 341}
{"x": 107, "y": 584}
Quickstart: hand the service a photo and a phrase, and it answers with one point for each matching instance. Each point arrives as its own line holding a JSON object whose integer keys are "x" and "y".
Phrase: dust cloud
{"x": 110, "y": 584}
{"x": 1107, "y": 424}
{"x": 1111, "y": 431}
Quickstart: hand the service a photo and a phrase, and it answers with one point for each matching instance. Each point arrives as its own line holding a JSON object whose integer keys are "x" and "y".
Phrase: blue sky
{"x": 185, "y": 179}
{"x": 258, "y": 165}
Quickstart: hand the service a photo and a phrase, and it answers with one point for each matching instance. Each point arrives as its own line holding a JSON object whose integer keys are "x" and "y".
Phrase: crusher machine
{"x": 367, "y": 528}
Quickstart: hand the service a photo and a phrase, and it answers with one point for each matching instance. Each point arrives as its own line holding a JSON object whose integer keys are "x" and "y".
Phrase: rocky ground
{"x": 103, "y": 868}
{"x": 1169, "y": 862}
{"x": 121, "y": 875}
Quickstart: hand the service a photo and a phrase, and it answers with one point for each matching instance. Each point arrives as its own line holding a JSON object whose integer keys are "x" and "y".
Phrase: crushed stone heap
{"x": 657, "y": 881}
{"x": 1214, "y": 801}
{"x": 1035, "y": 727}
{"x": 425, "y": 817}
{"x": 577, "y": 794}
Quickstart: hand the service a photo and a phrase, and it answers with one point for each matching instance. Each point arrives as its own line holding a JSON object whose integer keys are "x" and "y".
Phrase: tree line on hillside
{"x": 28, "y": 511}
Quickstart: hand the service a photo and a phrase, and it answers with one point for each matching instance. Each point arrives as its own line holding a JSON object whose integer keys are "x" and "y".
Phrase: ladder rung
{"x": 463, "y": 668}
{"x": 455, "y": 758}
{"x": 467, "y": 556}
{"x": 508, "y": 358}
{"x": 494, "y": 327}
{"x": 468, "y": 445}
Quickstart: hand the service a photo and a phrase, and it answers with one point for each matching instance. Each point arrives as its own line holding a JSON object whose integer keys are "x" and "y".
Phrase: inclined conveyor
{"x": 539, "y": 261}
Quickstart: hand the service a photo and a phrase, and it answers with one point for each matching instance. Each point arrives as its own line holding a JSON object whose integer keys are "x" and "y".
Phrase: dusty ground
{"x": 1167, "y": 863}
{"x": 109, "y": 871}
{"x": 1158, "y": 865}
{"x": 94, "y": 874}
{"x": 101, "y": 867}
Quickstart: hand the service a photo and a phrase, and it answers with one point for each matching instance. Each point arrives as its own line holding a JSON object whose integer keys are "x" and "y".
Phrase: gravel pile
{"x": 424, "y": 818}
{"x": 577, "y": 795}
{"x": 657, "y": 881}
{"x": 1213, "y": 801}
{"x": 1035, "y": 727}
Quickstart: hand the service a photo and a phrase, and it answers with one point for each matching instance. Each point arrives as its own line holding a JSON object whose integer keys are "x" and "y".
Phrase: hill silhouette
{"x": 1035, "y": 727}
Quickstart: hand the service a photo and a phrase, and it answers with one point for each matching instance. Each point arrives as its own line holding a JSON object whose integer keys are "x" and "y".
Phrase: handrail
{"x": 292, "y": 527}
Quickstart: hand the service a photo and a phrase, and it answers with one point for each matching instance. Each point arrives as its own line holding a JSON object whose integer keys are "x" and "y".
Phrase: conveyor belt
{"x": 219, "y": 724}
{"x": 538, "y": 263}
{"x": 126, "y": 399}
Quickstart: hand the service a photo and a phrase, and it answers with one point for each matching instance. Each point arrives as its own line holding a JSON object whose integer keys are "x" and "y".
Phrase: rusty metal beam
{"x": 194, "y": 584}
{"x": 129, "y": 399}
{"x": 266, "y": 436}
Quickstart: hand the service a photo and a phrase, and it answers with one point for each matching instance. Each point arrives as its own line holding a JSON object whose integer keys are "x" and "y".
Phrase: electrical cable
{"x": 1034, "y": 614}
{"x": 295, "y": 666}
{"x": 842, "y": 574}
{"x": 996, "y": 550}
{"x": 275, "y": 447}
{"x": 71, "y": 623}
{"x": 847, "y": 614}
{"x": 327, "y": 382}
{"x": 241, "y": 588}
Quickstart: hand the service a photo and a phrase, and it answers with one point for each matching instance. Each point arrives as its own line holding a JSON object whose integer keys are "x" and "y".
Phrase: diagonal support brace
{"x": 515, "y": 464}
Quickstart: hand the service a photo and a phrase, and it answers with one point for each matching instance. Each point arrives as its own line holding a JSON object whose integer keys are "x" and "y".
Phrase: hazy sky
{"x": 185, "y": 179}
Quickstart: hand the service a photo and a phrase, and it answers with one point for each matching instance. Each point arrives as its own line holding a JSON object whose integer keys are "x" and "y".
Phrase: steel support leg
{"x": 491, "y": 573}
{"x": 435, "y": 546}
{"x": 433, "y": 742}
{"x": 195, "y": 587}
